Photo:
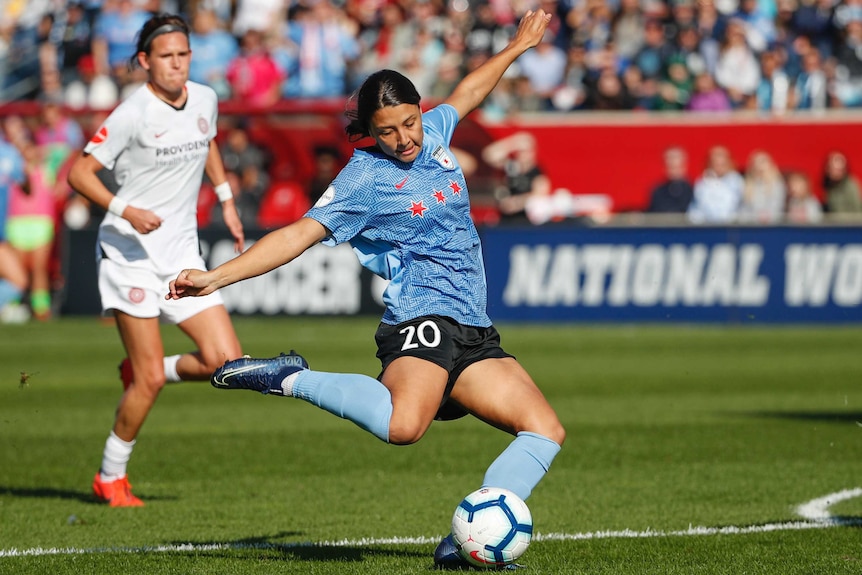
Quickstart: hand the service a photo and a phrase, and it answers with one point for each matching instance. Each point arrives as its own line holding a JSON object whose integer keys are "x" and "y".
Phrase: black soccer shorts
{"x": 441, "y": 340}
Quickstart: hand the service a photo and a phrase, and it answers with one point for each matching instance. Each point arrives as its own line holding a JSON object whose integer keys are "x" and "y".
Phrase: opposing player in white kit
{"x": 159, "y": 142}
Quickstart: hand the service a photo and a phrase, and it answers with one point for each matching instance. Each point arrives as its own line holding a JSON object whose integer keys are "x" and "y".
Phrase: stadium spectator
{"x": 57, "y": 135}
{"x": 13, "y": 276}
{"x": 114, "y": 38}
{"x": 803, "y": 207}
{"x": 688, "y": 47}
{"x": 321, "y": 44}
{"x": 674, "y": 194}
{"x": 91, "y": 90}
{"x": 545, "y": 68}
{"x": 811, "y": 90}
{"x": 847, "y": 87}
{"x": 652, "y": 58}
{"x": 627, "y": 28}
{"x": 814, "y": 20}
{"x": 327, "y": 163}
{"x": 150, "y": 231}
{"x": 263, "y": 16}
{"x": 516, "y": 156}
{"x": 384, "y": 43}
{"x": 675, "y": 88}
{"x": 254, "y": 77}
{"x": 718, "y": 191}
{"x": 239, "y": 153}
{"x": 248, "y": 190}
{"x": 707, "y": 96}
{"x": 30, "y": 227}
{"x": 841, "y": 187}
{"x": 643, "y": 96}
{"x": 759, "y": 25}
{"x": 76, "y": 42}
{"x": 212, "y": 46}
{"x": 607, "y": 92}
{"x": 764, "y": 195}
{"x": 737, "y": 71}
{"x": 773, "y": 91}
{"x": 711, "y": 25}
{"x": 444, "y": 367}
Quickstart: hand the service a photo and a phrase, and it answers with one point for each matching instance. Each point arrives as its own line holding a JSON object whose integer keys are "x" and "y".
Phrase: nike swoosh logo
{"x": 240, "y": 370}
{"x": 475, "y": 555}
{"x": 400, "y": 184}
{"x": 162, "y": 134}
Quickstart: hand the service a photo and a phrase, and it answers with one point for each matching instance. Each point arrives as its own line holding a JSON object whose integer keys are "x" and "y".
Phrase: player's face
{"x": 398, "y": 131}
{"x": 168, "y": 63}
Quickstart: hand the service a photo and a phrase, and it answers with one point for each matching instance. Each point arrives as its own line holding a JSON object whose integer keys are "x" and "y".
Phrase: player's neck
{"x": 175, "y": 100}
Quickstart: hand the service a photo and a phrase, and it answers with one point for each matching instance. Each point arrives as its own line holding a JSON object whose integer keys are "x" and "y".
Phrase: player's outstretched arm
{"x": 476, "y": 86}
{"x": 271, "y": 251}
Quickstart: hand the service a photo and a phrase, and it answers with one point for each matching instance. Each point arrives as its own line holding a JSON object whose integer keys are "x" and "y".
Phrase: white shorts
{"x": 141, "y": 293}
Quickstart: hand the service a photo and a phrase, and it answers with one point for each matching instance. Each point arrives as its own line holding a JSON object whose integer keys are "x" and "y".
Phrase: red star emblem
{"x": 441, "y": 199}
{"x": 456, "y": 189}
{"x": 418, "y": 209}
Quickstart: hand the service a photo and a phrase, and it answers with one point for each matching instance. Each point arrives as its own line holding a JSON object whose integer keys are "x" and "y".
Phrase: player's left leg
{"x": 501, "y": 393}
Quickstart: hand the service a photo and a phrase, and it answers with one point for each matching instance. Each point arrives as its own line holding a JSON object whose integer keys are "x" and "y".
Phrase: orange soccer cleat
{"x": 116, "y": 493}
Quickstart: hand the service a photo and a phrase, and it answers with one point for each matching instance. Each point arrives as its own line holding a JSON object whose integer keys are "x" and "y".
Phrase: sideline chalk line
{"x": 815, "y": 515}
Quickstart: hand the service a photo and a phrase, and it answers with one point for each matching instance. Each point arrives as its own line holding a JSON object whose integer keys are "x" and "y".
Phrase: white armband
{"x": 117, "y": 206}
{"x": 224, "y": 192}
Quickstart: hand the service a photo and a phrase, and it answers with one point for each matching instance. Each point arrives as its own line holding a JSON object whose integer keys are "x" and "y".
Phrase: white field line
{"x": 815, "y": 514}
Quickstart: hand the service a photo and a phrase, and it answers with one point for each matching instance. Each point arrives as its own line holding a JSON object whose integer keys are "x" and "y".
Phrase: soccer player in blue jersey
{"x": 402, "y": 205}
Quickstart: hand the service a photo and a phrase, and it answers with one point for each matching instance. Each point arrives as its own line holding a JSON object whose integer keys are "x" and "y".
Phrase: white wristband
{"x": 117, "y": 206}
{"x": 224, "y": 192}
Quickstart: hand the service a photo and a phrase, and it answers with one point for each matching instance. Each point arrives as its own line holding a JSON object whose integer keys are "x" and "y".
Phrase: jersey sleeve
{"x": 112, "y": 137}
{"x": 443, "y": 120}
{"x": 345, "y": 207}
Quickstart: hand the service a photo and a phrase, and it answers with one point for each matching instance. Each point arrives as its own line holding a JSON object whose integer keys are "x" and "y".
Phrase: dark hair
{"x": 156, "y": 26}
{"x": 380, "y": 90}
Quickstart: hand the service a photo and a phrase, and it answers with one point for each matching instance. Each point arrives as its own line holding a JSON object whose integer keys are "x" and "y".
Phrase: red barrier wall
{"x": 618, "y": 154}
{"x": 621, "y": 155}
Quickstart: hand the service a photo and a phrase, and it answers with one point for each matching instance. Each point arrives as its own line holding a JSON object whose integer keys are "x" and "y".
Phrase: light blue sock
{"x": 357, "y": 398}
{"x": 8, "y": 293}
{"x": 521, "y": 465}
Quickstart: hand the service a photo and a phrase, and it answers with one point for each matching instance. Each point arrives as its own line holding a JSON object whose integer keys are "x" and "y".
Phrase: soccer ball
{"x": 492, "y": 527}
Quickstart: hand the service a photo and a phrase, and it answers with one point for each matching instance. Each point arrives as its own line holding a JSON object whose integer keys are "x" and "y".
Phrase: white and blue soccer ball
{"x": 492, "y": 527}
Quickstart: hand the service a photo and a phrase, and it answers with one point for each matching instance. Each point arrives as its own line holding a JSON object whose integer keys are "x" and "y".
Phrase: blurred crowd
{"x": 770, "y": 55}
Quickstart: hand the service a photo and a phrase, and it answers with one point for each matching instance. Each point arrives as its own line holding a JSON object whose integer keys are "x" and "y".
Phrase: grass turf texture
{"x": 669, "y": 427}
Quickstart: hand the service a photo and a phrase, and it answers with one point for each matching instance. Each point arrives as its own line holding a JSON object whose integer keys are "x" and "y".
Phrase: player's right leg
{"x": 399, "y": 410}
{"x": 142, "y": 340}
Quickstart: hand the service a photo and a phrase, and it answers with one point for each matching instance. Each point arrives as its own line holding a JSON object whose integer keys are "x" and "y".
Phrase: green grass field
{"x": 690, "y": 450}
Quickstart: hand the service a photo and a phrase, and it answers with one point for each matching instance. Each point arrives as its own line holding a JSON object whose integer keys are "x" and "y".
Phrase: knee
{"x": 557, "y": 433}
{"x": 553, "y": 430}
{"x": 150, "y": 381}
{"x": 405, "y": 432}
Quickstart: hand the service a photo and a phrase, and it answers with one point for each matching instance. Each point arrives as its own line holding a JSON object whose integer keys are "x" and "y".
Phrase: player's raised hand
{"x": 190, "y": 283}
{"x": 532, "y": 27}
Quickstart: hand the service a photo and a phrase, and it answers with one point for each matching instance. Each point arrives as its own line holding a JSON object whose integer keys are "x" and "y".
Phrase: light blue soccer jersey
{"x": 410, "y": 223}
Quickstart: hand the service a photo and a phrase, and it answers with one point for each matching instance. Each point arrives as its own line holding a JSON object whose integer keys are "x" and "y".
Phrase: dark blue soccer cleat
{"x": 263, "y": 375}
{"x": 447, "y": 557}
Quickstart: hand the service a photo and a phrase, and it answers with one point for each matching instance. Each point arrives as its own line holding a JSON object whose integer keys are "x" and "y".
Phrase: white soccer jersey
{"x": 158, "y": 154}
